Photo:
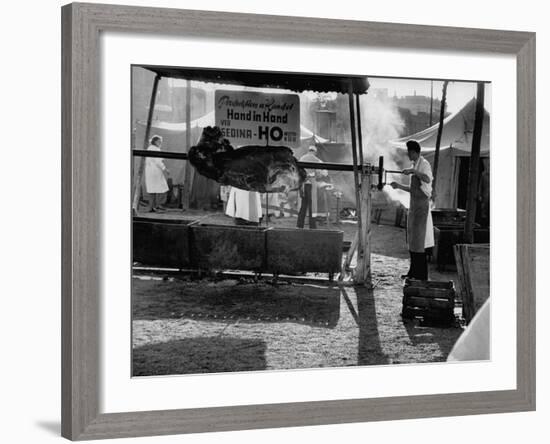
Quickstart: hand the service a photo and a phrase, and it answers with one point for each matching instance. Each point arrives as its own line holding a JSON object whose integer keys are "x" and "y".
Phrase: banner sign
{"x": 254, "y": 118}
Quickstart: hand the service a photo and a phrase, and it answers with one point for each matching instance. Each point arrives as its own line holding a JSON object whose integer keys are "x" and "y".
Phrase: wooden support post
{"x": 473, "y": 175}
{"x": 139, "y": 178}
{"x": 362, "y": 272}
{"x": 351, "y": 251}
{"x": 363, "y": 199}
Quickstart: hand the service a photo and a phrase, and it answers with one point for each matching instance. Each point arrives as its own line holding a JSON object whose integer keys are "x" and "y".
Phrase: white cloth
{"x": 423, "y": 166}
{"x": 155, "y": 182}
{"x": 474, "y": 344}
{"x": 244, "y": 204}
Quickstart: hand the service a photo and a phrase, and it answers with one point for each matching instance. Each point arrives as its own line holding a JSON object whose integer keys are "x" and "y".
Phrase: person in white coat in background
{"x": 155, "y": 176}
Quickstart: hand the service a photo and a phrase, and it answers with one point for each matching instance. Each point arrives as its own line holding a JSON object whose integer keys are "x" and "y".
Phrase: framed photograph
{"x": 285, "y": 221}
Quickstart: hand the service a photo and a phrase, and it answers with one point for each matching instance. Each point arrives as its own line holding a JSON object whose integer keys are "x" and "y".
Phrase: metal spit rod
{"x": 382, "y": 173}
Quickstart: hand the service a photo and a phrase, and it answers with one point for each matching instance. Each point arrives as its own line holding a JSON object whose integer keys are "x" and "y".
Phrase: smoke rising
{"x": 381, "y": 123}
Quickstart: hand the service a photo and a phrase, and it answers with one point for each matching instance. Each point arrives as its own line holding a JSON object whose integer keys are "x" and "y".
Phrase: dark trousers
{"x": 155, "y": 201}
{"x": 306, "y": 207}
{"x": 419, "y": 266}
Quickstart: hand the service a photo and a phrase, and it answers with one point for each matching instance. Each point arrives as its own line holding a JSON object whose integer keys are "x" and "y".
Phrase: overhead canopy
{"x": 297, "y": 82}
{"x": 458, "y": 129}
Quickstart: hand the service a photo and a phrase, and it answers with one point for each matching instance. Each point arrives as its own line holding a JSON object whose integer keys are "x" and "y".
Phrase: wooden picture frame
{"x": 81, "y": 26}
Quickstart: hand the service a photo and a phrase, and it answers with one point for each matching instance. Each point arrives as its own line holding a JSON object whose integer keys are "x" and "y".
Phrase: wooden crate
{"x": 446, "y": 237}
{"x": 473, "y": 269}
{"x": 431, "y": 300}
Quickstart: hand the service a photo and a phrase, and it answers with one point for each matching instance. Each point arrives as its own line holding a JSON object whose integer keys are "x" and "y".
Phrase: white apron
{"x": 244, "y": 204}
{"x": 155, "y": 182}
{"x": 429, "y": 241}
{"x": 423, "y": 166}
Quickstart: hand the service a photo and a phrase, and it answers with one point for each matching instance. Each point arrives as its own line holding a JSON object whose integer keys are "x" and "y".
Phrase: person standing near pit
{"x": 155, "y": 176}
{"x": 419, "y": 220}
{"x": 309, "y": 199}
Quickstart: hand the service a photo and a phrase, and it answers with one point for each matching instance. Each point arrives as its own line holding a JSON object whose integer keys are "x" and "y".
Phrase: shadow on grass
{"x": 199, "y": 355}
{"x": 369, "y": 349}
{"x": 430, "y": 332}
{"x": 206, "y": 300}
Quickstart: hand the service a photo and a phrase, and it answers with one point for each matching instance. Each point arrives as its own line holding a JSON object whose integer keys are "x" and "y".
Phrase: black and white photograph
{"x": 285, "y": 221}
{"x": 274, "y": 222}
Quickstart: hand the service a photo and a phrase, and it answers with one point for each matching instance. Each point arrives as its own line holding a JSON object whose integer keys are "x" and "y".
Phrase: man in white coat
{"x": 155, "y": 176}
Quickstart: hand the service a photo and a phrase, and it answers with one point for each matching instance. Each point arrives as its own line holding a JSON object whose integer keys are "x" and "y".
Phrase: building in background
{"x": 414, "y": 110}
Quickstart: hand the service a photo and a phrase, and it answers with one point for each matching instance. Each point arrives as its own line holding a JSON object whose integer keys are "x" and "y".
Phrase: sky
{"x": 458, "y": 93}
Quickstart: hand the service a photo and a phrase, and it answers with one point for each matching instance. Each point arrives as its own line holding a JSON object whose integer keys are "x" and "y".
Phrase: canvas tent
{"x": 454, "y": 154}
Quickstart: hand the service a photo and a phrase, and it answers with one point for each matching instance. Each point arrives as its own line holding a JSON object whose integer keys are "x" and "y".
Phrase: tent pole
{"x": 187, "y": 167}
{"x": 438, "y": 140}
{"x": 359, "y": 133}
{"x": 267, "y": 209}
{"x": 431, "y": 101}
{"x": 139, "y": 178}
{"x": 473, "y": 175}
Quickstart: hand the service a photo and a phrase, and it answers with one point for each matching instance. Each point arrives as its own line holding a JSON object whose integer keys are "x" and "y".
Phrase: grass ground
{"x": 185, "y": 325}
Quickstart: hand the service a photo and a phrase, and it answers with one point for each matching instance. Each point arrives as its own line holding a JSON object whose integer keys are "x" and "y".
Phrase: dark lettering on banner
{"x": 240, "y": 133}
{"x": 263, "y": 133}
{"x": 276, "y": 134}
{"x": 248, "y": 117}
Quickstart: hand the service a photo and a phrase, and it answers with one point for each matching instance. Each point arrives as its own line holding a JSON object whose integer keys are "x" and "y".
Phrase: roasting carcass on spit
{"x": 266, "y": 169}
